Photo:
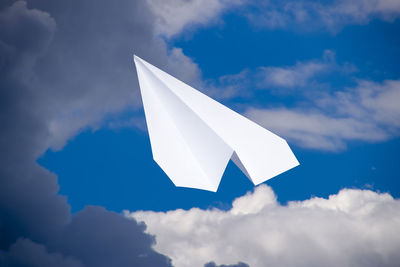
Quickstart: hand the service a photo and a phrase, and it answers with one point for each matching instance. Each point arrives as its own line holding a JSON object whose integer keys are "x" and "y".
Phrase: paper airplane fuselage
{"x": 193, "y": 137}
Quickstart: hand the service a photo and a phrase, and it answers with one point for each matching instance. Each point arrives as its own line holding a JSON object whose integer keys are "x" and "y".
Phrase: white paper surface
{"x": 193, "y": 137}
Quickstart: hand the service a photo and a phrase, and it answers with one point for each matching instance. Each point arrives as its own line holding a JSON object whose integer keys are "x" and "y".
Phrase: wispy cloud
{"x": 304, "y": 75}
{"x": 351, "y": 228}
{"x": 301, "y": 74}
{"x": 176, "y": 16}
{"x": 318, "y": 118}
{"x": 296, "y": 76}
{"x": 367, "y": 112}
{"x": 316, "y": 15}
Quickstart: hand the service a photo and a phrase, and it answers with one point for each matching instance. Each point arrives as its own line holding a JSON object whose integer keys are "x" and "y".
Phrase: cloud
{"x": 83, "y": 69}
{"x": 101, "y": 238}
{"x": 229, "y": 86}
{"x": 24, "y": 187}
{"x": 351, "y": 228}
{"x": 94, "y": 237}
{"x": 239, "y": 264}
{"x": 174, "y": 16}
{"x": 65, "y": 67}
{"x": 369, "y": 99}
{"x": 87, "y": 72}
{"x": 367, "y": 112}
{"x": 296, "y": 76}
{"x": 27, "y": 253}
{"x": 307, "y": 75}
{"x": 302, "y": 74}
{"x": 331, "y": 15}
{"x": 18, "y": 19}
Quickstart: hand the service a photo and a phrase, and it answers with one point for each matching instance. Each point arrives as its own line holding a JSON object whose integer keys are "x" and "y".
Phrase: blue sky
{"x": 79, "y": 187}
{"x": 114, "y": 168}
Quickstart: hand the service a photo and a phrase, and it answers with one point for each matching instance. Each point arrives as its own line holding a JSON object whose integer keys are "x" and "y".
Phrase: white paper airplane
{"x": 193, "y": 137}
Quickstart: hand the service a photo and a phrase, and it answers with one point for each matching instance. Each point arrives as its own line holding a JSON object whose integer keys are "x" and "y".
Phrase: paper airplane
{"x": 193, "y": 137}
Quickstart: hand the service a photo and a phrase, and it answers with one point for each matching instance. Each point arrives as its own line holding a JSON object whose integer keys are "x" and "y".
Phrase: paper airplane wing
{"x": 193, "y": 137}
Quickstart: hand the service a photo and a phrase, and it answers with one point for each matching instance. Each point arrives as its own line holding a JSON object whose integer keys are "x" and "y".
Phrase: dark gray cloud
{"x": 64, "y": 67}
{"x": 29, "y": 204}
{"x": 102, "y": 238}
{"x": 88, "y": 72}
{"x": 26, "y": 253}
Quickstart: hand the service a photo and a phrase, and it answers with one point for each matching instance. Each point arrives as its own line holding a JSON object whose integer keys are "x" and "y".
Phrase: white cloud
{"x": 332, "y": 15}
{"x": 184, "y": 67}
{"x": 377, "y": 101}
{"x": 362, "y": 11}
{"x": 291, "y": 76}
{"x": 368, "y": 112}
{"x": 351, "y": 228}
{"x": 314, "y": 129}
{"x": 284, "y": 79}
{"x": 298, "y": 75}
{"x": 230, "y": 86}
{"x": 174, "y": 16}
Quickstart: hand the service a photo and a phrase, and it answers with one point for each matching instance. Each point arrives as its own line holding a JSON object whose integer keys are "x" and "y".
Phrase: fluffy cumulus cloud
{"x": 351, "y": 228}
{"x": 314, "y": 15}
{"x": 368, "y": 112}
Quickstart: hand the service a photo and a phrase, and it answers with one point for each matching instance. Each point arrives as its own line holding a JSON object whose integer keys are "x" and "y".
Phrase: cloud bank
{"x": 351, "y": 228}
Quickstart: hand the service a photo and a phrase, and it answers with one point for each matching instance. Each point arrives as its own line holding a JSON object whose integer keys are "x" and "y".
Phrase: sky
{"x": 78, "y": 184}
